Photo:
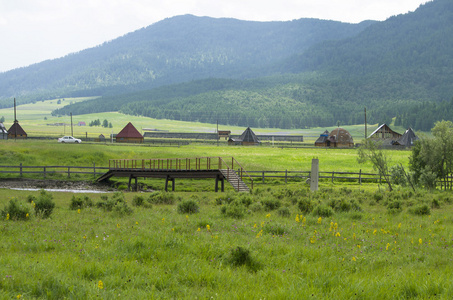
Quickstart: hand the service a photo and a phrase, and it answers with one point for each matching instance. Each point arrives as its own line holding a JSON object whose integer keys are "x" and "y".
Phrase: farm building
{"x": 385, "y": 134}
{"x": 323, "y": 140}
{"x": 3, "y": 132}
{"x": 408, "y": 139}
{"x": 129, "y": 134}
{"x": 247, "y": 138}
{"x": 224, "y": 134}
{"x": 340, "y": 138}
{"x": 16, "y": 131}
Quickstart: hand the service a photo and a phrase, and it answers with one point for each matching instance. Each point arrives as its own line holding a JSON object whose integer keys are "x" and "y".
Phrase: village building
{"x": 16, "y": 131}
{"x": 323, "y": 140}
{"x": 385, "y": 135}
{"x": 338, "y": 138}
{"x": 224, "y": 134}
{"x": 129, "y": 134}
{"x": 407, "y": 139}
{"x": 3, "y": 132}
{"x": 247, "y": 138}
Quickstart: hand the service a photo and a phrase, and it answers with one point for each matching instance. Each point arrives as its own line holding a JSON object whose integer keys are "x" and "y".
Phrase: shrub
{"x": 398, "y": 175}
{"x": 394, "y": 206}
{"x": 15, "y": 211}
{"x": 78, "y": 202}
{"x": 44, "y": 204}
{"x": 161, "y": 198}
{"x": 284, "y": 212}
{"x": 271, "y": 204}
{"x": 378, "y": 196}
{"x": 428, "y": 179}
{"x": 275, "y": 229}
{"x": 138, "y": 201}
{"x": 421, "y": 210}
{"x": 117, "y": 203}
{"x": 235, "y": 210}
{"x": 435, "y": 203}
{"x": 305, "y": 205}
{"x": 256, "y": 207}
{"x": 31, "y": 198}
{"x": 241, "y": 257}
{"x": 322, "y": 210}
{"x": 188, "y": 207}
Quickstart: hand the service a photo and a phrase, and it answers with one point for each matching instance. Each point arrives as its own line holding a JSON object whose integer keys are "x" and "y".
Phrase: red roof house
{"x": 129, "y": 134}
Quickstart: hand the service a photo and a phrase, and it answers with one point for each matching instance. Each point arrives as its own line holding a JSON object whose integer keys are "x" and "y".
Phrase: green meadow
{"x": 281, "y": 241}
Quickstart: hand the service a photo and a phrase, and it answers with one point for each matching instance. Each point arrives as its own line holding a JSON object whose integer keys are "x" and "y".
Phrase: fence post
{"x": 263, "y": 177}
{"x": 44, "y": 172}
{"x": 333, "y": 174}
{"x": 20, "y": 169}
{"x": 360, "y": 177}
{"x": 314, "y": 174}
{"x": 69, "y": 172}
{"x": 94, "y": 170}
{"x": 286, "y": 176}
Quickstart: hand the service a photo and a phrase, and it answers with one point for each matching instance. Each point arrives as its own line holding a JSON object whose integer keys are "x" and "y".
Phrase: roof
{"x": 323, "y": 137}
{"x": 341, "y": 136}
{"x": 3, "y": 129}
{"x": 384, "y": 127}
{"x": 129, "y": 131}
{"x": 249, "y": 136}
{"x": 16, "y": 129}
{"x": 408, "y": 138}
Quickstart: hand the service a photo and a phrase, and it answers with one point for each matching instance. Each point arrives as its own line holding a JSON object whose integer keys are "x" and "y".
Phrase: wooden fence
{"x": 21, "y": 170}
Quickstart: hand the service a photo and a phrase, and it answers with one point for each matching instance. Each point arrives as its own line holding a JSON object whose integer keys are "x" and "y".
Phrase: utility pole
{"x": 15, "y": 121}
{"x": 365, "y": 125}
{"x": 72, "y": 132}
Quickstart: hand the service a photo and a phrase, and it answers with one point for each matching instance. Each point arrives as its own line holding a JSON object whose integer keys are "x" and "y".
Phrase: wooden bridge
{"x": 172, "y": 168}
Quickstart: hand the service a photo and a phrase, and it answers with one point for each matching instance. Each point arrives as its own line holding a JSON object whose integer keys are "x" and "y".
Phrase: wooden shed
{"x": 341, "y": 138}
{"x": 247, "y": 138}
{"x": 3, "y": 132}
{"x": 129, "y": 134}
{"x": 323, "y": 140}
{"x": 16, "y": 131}
{"x": 408, "y": 139}
{"x": 385, "y": 134}
{"x": 224, "y": 134}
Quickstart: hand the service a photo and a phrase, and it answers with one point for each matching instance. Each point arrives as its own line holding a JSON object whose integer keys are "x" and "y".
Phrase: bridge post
{"x": 129, "y": 184}
{"x": 217, "y": 183}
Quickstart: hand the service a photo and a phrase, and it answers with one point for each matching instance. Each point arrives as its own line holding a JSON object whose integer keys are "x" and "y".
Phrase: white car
{"x": 69, "y": 139}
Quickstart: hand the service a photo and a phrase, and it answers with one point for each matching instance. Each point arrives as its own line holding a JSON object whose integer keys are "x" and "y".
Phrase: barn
{"x": 338, "y": 138}
{"x": 16, "y": 131}
{"x": 247, "y": 138}
{"x": 408, "y": 139}
{"x": 323, "y": 140}
{"x": 385, "y": 135}
{"x": 129, "y": 134}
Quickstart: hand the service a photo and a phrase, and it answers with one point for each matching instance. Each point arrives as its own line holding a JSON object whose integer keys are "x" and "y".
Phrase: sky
{"x": 32, "y": 31}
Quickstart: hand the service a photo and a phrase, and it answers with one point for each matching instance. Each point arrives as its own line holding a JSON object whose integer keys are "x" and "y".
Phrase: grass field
{"x": 346, "y": 241}
{"x": 370, "y": 251}
{"x": 32, "y": 119}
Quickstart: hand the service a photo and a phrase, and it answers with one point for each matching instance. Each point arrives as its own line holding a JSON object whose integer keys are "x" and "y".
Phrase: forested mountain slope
{"x": 177, "y": 49}
{"x": 401, "y": 67}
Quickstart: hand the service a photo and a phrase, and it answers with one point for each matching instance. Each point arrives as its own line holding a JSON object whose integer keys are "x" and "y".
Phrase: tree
{"x": 371, "y": 151}
{"x": 105, "y": 123}
{"x": 2, "y": 119}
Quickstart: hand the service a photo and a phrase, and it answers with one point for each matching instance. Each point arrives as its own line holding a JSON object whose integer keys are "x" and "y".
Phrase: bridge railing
{"x": 181, "y": 164}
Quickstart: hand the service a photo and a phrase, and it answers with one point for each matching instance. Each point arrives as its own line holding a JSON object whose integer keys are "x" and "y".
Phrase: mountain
{"x": 174, "y": 50}
{"x": 401, "y": 68}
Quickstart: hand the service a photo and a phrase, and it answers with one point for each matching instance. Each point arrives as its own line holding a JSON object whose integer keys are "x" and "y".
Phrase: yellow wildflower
{"x": 399, "y": 226}
{"x": 254, "y": 226}
{"x": 118, "y": 225}
{"x": 19, "y": 296}
{"x": 304, "y": 221}
{"x": 7, "y": 217}
{"x": 136, "y": 223}
{"x": 199, "y": 229}
{"x": 163, "y": 220}
{"x": 208, "y": 227}
{"x": 387, "y": 247}
{"x": 319, "y": 220}
{"x": 78, "y": 211}
{"x": 173, "y": 229}
{"x": 358, "y": 246}
{"x": 268, "y": 215}
{"x": 374, "y": 232}
{"x": 297, "y": 218}
{"x": 262, "y": 224}
{"x": 338, "y": 234}
{"x": 313, "y": 239}
{"x": 420, "y": 241}
{"x": 27, "y": 215}
{"x": 100, "y": 285}
{"x": 259, "y": 233}
{"x": 353, "y": 258}
{"x": 353, "y": 236}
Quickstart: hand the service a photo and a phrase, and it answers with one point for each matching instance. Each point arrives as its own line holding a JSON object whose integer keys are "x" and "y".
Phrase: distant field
{"x": 34, "y": 118}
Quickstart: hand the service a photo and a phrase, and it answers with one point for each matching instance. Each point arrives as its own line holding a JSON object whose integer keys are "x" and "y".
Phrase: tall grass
{"x": 159, "y": 253}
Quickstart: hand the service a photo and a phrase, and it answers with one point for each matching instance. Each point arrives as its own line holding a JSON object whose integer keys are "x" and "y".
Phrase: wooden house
{"x": 323, "y": 140}
{"x": 16, "y": 131}
{"x": 341, "y": 138}
{"x": 3, "y": 132}
{"x": 407, "y": 139}
{"x": 129, "y": 134}
{"x": 385, "y": 134}
{"x": 248, "y": 138}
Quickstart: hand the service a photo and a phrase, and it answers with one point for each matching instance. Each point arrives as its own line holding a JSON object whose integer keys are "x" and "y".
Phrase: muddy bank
{"x": 15, "y": 183}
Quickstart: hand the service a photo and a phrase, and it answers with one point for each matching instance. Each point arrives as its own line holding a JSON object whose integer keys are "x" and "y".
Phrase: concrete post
{"x": 314, "y": 174}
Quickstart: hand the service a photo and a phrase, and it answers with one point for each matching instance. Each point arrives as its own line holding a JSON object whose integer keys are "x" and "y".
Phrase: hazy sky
{"x": 35, "y": 30}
